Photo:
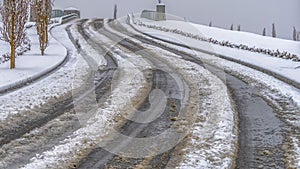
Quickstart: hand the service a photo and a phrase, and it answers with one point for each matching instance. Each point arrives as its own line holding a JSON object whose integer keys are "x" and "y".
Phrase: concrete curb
{"x": 258, "y": 68}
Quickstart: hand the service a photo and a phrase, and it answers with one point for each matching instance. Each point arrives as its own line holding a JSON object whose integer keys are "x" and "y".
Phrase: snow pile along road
{"x": 286, "y": 70}
{"x": 238, "y": 40}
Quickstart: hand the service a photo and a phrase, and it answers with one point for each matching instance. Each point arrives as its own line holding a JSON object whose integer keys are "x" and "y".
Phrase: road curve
{"x": 47, "y": 126}
{"x": 262, "y": 137}
{"x": 262, "y": 134}
{"x": 160, "y": 80}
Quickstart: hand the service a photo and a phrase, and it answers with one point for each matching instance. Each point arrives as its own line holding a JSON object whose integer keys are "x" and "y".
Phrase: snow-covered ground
{"x": 31, "y": 64}
{"x": 270, "y": 88}
{"x": 5, "y": 47}
{"x": 236, "y": 37}
{"x": 57, "y": 84}
{"x": 214, "y": 138}
{"x": 287, "y": 68}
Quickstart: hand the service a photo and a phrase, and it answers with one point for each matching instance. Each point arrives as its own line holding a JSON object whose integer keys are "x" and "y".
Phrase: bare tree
{"x": 294, "y": 34}
{"x": 231, "y": 27}
{"x": 42, "y": 9}
{"x": 210, "y": 24}
{"x": 115, "y": 11}
{"x": 273, "y": 31}
{"x": 264, "y": 32}
{"x": 14, "y": 15}
{"x": 298, "y": 36}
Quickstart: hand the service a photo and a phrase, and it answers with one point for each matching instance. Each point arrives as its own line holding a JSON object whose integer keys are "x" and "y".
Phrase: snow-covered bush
{"x": 19, "y": 51}
{"x": 275, "y": 53}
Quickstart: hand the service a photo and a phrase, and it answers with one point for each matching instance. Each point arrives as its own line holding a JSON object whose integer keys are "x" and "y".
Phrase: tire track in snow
{"x": 261, "y": 140}
{"x": 101, "y": 158}
{"x": 53, "y": 123}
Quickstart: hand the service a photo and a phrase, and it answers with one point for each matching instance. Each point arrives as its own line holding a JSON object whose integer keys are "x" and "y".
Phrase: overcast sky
{"x": 252, "y": 15}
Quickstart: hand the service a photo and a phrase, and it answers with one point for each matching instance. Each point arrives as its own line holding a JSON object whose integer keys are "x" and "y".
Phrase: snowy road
{"x": 31, "y": 132}
{"x": 100, "y": 158}
{"x": 263, "y": 140}
{"x": 260, "y": 130}
{"x": 159, "y": 80}
{"x": 137, "y": 102}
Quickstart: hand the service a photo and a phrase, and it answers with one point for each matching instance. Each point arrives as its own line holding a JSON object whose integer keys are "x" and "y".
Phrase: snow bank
{"x": 286, "y": 70}
{"x": 240, "y": 40}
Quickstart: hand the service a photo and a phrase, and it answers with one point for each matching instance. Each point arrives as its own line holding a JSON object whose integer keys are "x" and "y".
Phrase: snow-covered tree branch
{"x": 14, "y": 15}
{"x": 42, "y": 10}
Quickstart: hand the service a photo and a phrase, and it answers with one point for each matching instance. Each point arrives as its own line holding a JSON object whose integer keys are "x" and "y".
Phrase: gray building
{"x": 158, "y": 15}
{"x": 160, "y": 12}
{"x": 148, "y": 14}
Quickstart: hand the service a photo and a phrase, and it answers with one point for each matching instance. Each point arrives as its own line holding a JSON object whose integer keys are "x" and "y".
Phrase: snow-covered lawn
{"x": 57, "y": 84}
{"x": 235, "y": 37}
{"x": 287, "y": 68}
{"x": 31, "y": 64}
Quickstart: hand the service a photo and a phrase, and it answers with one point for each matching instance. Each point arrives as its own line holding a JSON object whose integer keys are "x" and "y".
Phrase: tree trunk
{"x": 46, "y": 34}
{"x": 43, "y": 37}
{"x": 12, "y": 55}
{"x": 46, "y": 30}
{"x": 12, "y": 44}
